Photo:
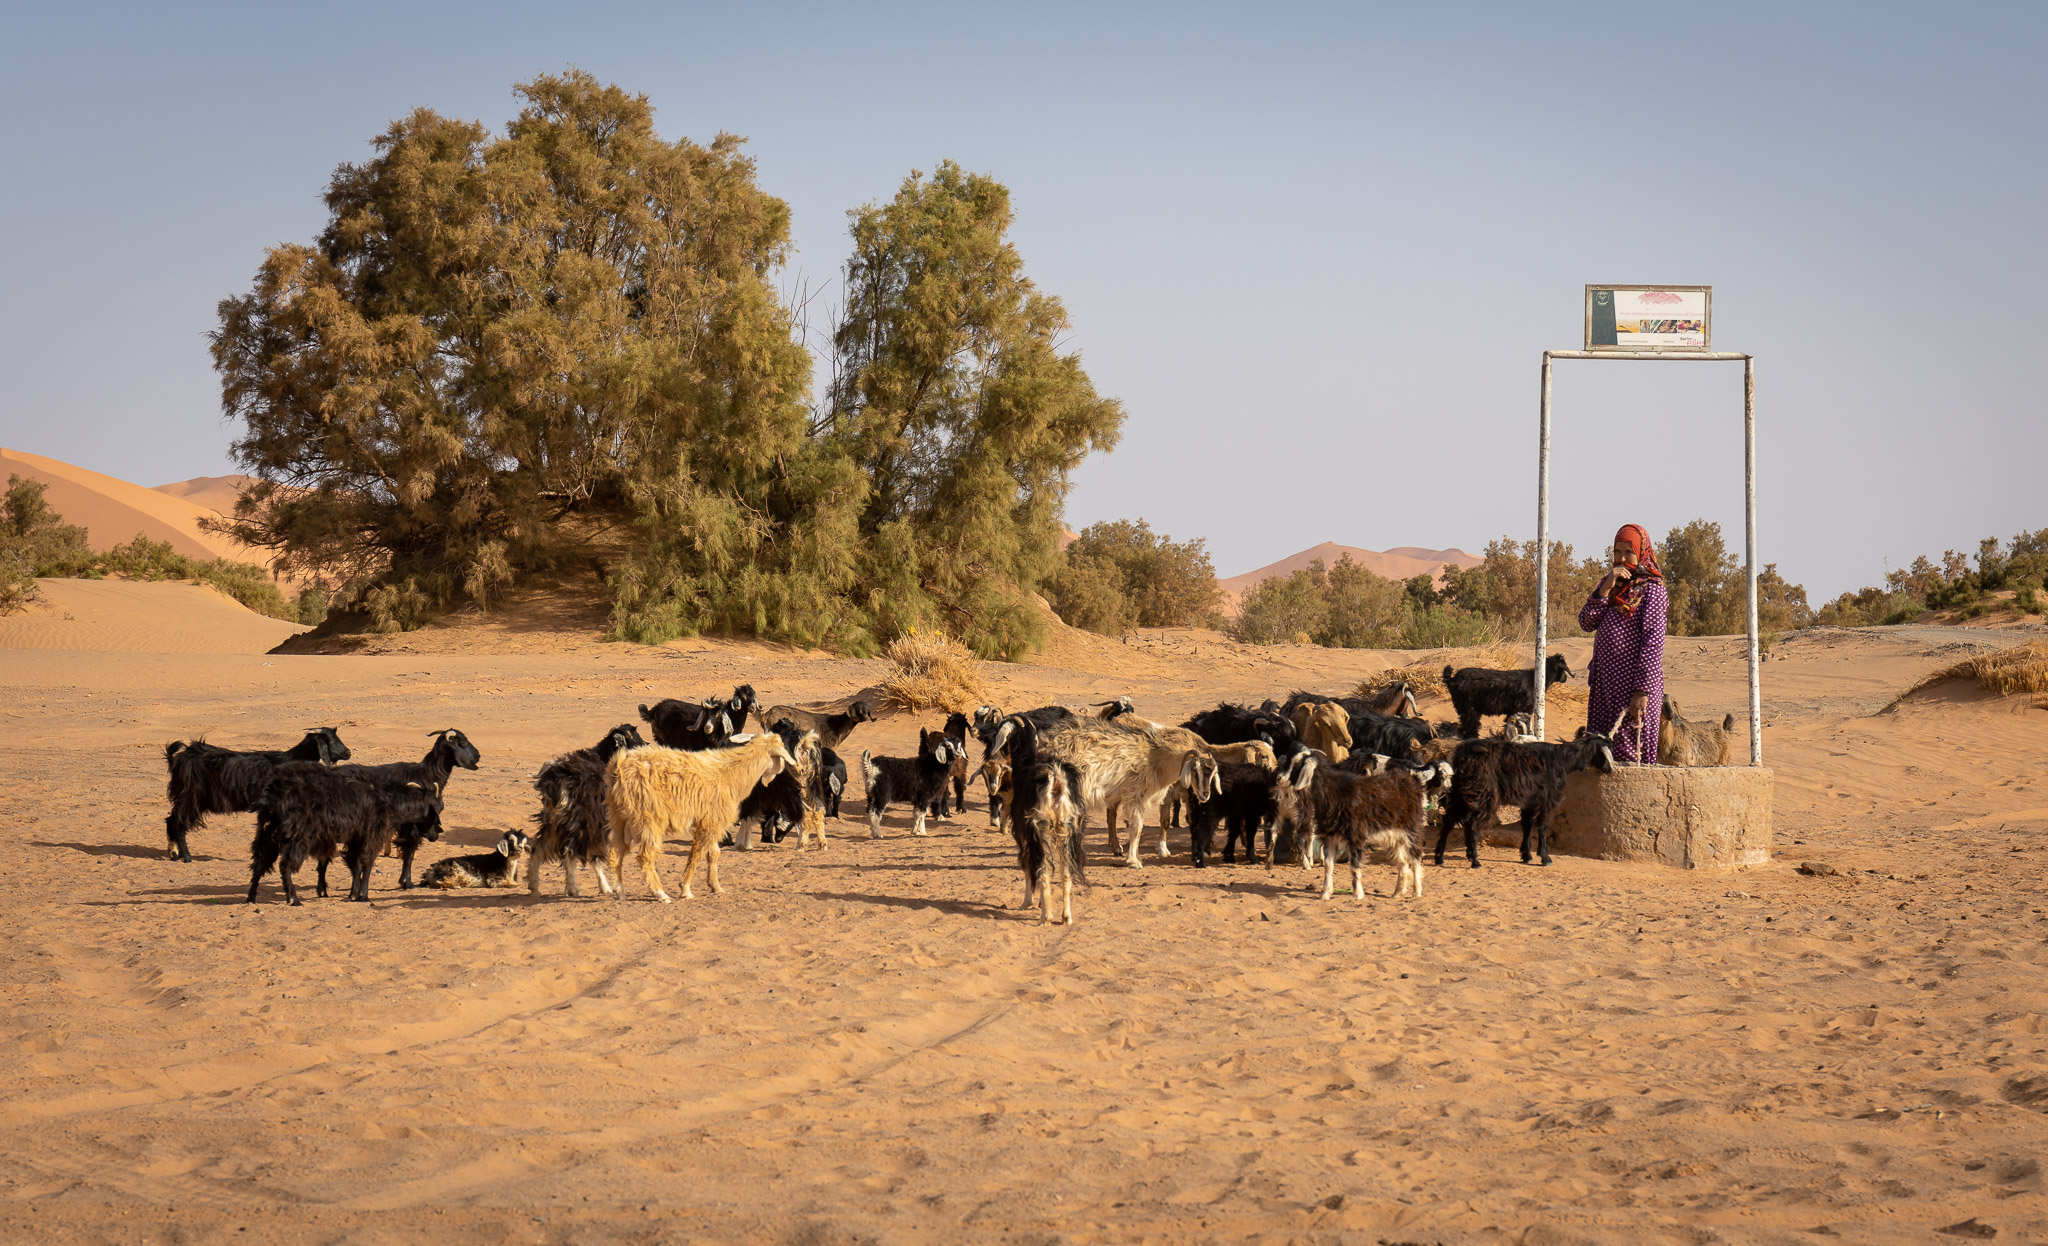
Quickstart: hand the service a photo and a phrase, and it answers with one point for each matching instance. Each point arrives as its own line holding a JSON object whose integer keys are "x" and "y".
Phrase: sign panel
{"x": 1648, "y": 318}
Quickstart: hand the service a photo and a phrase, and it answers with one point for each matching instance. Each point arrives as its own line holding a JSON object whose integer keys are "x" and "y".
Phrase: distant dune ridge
{"x": 1401, "y": 563}
{"x": 112, "y": 510}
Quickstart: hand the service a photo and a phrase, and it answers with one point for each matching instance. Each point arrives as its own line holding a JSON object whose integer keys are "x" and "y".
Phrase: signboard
{"x": 1648, "y": 318}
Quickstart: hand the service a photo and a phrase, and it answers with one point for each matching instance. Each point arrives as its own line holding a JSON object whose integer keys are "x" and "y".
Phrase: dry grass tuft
{"x": 1426, "y": 677}
{"x": 933, "y": 671}
{"x": 2023, "y": 668}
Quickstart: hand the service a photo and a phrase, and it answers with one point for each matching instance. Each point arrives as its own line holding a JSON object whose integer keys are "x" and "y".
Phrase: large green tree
{"x": 953, "y": 394}
{"x": 495, "y": 336}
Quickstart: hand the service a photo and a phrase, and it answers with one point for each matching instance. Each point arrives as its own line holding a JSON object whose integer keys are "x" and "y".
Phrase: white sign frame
{"x": 1688, "y": 328}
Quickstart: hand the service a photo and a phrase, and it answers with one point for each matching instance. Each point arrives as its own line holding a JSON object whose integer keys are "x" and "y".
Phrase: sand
{"x": 122, "y": 616}
{"x": 113, "y": 511}
{"x": 869, "y": 1044}
{"x": 1402, "y": 563}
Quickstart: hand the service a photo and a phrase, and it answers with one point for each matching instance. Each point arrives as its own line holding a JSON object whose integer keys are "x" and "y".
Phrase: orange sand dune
{"x": 114, "y": 511}
{"x": 119, "y": 616}
{"x": 1403, "y": 563}
{"x": 215, "y": 493}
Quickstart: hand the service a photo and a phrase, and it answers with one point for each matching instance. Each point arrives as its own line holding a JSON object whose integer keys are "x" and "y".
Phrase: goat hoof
{"x": 293, "y": 904}
{"x": 1475, "y": 865}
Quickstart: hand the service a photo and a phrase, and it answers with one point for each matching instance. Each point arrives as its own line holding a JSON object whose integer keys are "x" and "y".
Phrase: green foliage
{"x": 2020, "y": 565}
{"x": 963, "y": 415}
{"x": 1704, "y": 582}
{"x": 17, "y": 581}
{"x": 37, "y": 536}
{"x": 1502, "y": 589}
{"x": 1445, "y": 627}
{"x": 1362, "y": 610}
{"x": 1278, "y": 609}
{"x": 397, "y": 607}
{"x": 311, "y": 605}
{"x": 1350, "y": 607}
{"x": 1118, "y": 575}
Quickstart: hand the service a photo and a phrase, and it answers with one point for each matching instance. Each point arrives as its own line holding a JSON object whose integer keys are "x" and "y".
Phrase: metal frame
{"x": 1756, "y": 701}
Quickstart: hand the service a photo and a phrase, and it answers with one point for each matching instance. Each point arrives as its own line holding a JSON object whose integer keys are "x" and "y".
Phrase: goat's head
{"x": 1597, "y": 751}
{"x": 860, "y": 713}
{"x": 1115, "y": 709}
{"x": 986, "y": 717}
{"x": 1201, "y": 776}
{"x": 937, "y": 744}
{"x": 621, "y": 737}
{"x": 1556, "y": 670}
{"x": 1260, "y": 753}
{"x": 453, "y": 748}
{"x": 328, "y": 741}
{"x": 742, "y": 701}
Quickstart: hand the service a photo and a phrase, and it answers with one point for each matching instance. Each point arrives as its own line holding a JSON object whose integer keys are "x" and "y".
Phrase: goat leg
{"x": 174, "y": 831}
{"x": 1542, "y": 834}
{"x": 320, "y": 886}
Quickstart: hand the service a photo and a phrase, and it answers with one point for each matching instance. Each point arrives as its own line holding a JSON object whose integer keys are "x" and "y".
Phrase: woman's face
{"x": 1621, "y": 554}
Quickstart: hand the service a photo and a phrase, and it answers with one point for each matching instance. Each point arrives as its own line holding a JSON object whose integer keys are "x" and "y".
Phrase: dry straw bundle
{"x": 1426, "y": 677}
{"x": 933, "y": 671}
{"x": 2023, "y": 668}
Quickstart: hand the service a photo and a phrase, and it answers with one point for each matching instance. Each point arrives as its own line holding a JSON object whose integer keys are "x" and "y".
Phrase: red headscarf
{"x": 1642, "y": 563}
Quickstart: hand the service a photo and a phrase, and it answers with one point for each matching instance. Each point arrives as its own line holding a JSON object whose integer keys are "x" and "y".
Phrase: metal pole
{"x": 1542, "y": 551}
{"x": 1756, "y": 695}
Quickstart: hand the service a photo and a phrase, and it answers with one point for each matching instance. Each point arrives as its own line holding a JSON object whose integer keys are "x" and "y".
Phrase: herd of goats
{"x": 1326, "y": 778}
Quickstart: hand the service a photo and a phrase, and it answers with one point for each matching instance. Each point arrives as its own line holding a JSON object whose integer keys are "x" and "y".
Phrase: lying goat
{"x": 206, "y": 778}
{"x": 1492, "y": 773}
{"x": 496, "y": 868}
{"x": 1478, "y": 692}
{"x": 916, "y": 780}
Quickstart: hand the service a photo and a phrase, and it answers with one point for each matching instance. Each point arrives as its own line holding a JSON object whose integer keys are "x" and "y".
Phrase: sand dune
{"x": 1403, "y": 563}
{"x": 216, "y": 493}
{"x": 119, "y": 616}
{"x": 868, "y": 1044}
{"x": 114, "y": 511}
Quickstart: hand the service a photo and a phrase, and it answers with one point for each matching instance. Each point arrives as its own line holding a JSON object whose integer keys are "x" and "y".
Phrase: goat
{"x": 1380, "y": 814}
{"x": 832, "y": 729}
{"x": 496, "y": 868}
{"x": 789, "y": 798}
{"x": 956, "y": 731}
{"x": 451, "y": 749}
{"x": 206, "y": 778}
{"x": 1396, "y": 737}
{"x": 691, "y": 727}
{"x": 310, "y": 810}
{"x": 1477, "y": 692}
{"x": 832, "y": 779}
{"x": 917, "y": 780}
{"x": 1046, "y": 819}
{"x": 1241, "y": 802}
{"x": 1492, "y": 773}
{"x": 571, "y": 826}
{"x": 653, "y": 792}
{"x": 1519, "y": 728}
{"x": 1127, "y": 767}
{"x": 1684, "y": 742}
{"x": 1324, "y": 727}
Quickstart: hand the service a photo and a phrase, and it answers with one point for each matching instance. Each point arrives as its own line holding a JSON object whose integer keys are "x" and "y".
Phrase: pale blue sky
{"x": 1317, "y": 250}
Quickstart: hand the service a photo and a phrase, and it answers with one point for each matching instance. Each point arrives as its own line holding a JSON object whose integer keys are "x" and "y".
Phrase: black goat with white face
{"x": 956, "y": 730}
{"x": 831, "y": 781}
{"x": 1492, "y": 773}
{"x": 690, "y": 726}
{"x": 497, "y": 868}
{"x": 1242, "y": 803}
{"x": 206, "y": 778}
{"x": 310, "y": 811}
{"x": 571, "y": 826}
{"x": 1478, "y": 692}
{"x": 916, "y": 780}
{"x": 1046, "y": 819}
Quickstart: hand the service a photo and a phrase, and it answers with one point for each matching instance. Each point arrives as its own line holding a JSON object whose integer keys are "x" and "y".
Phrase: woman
{"x": 1626, "y": 616}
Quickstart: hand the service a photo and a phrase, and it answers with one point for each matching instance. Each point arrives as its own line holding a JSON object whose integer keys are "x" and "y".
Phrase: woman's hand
{"x": 1638, "y": 705}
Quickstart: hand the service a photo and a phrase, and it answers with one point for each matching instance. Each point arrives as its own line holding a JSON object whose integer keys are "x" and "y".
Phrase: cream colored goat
{"x": 1127, "y": 768}
{"x": 1326, "y": 726}
{"x": 655, "y": 793}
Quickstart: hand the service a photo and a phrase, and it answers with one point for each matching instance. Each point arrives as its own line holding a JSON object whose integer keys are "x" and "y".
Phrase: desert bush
{"x": 2023, "y": 668}
{"x": 933, "y": 672}
{"x": 397, "y": 607}
{"x": 17, "y": 582}
{"x": 1117, "y": 575}
{"x": 1503, "y": 587}
{"x": 37, "y": 535}
{"x": 1444, "y": 627}
{"x": 1280, "y": 608}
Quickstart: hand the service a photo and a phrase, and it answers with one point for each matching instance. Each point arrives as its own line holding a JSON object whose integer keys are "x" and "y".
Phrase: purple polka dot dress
{"x": 1628, "y": 657}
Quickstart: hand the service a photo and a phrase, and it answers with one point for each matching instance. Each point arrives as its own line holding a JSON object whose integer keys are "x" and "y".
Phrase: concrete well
{"x": 1704, "y": 817}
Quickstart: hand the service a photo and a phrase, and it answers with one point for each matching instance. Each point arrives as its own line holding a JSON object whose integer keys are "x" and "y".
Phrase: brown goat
{"x": 1378, "y": 814}
{"x": 1684, "y": 742}
{"x": 1324, "y": 726}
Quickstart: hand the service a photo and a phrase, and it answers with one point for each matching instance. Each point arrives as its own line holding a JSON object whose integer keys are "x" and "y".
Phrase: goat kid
{"x": 499, "y": 867}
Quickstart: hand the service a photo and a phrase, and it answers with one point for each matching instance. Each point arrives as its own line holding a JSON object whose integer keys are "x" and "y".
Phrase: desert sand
{"x": 1402, "y": 563}
{"x": 114, "y": 511}
{"x": 869, "y": 1043}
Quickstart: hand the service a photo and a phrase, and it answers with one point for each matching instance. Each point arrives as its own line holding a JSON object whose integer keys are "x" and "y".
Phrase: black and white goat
{"x": 1241, "y": 804}
{"x": 956, "y": 789}
{"x": 690, "y": 725}
{"x": 832, "y": 779}
{"x": 916, "y": 780}
{"x": 1493, "y": 773}
{"x": 206, "y": 778}
{"x": 312, "y": 811}
{"x": 1477, "y": 692}
{"x": 570, "y": 826}
{"x": 1355, "y": 815}
{"x": 499, "y": 867}
{"x": 789, "y": 798}
{"x": 1046, "y": 819}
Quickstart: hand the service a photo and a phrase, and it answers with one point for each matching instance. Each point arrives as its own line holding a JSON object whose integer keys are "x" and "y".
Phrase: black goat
{"x": 451, "y": 749}
{"x": 832, "y": 779}
{"x": 1230, "y": 723}
{"x": 916, "y": 780}
{"x": 1244, "y": 804}
{"x": 688, "y": 725}
{"x": 956, "y": 731}
{"x": 1046, "y": 820}
{"x": 1377, "y": 815}
{"x": 1394, "y": 737}
{"x": 309, "y": 810}
{"x": 206, "y": 778}
{"x": 1477, "y": 692}
{"x": 571, "y": 826}
{"x": 779, "y": 802}
{"x": 1492, "y": 773}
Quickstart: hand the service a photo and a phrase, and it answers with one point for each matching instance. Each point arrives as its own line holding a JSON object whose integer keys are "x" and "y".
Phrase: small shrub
{"x": 933, "y": 672}
{"x": 17, "y": 582}
{"x": 311, "y": 605}
{"x": 1445, "y": 627}
{"x": 396, "y": 607}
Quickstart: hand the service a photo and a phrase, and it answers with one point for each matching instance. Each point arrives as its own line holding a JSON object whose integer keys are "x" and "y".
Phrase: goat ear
{"x": 746, "y": 739}
{"x": 1303, "y": 772}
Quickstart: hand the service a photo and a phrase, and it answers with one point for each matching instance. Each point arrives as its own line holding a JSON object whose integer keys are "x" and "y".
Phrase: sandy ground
{"x": 869, "y": 1044}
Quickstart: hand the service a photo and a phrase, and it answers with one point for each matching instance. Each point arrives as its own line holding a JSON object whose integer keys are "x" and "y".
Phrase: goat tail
{"x": 172, "y": 750}
{"x": 868, "y": 770}
{"x": 1447, "y": 674}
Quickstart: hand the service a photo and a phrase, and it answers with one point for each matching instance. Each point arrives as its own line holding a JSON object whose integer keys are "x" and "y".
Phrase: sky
{"x": 1317, "y": 250}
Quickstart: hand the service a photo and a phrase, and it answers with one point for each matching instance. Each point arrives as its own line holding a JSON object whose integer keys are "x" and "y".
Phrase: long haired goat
{"x": 206, "y": 778}
{"x": 1492, "y": 773}
{"x": 1378, "y": 815}
{"x": 1127, "y": 768}
{"x": 1046, "y": 819}
{"x": 918, "y": 780}
{"x": 451, "y": 749}
{"x": 570, "y": 826}
{"x": 653, "y": 793}
{"x": 308, "y": 810}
